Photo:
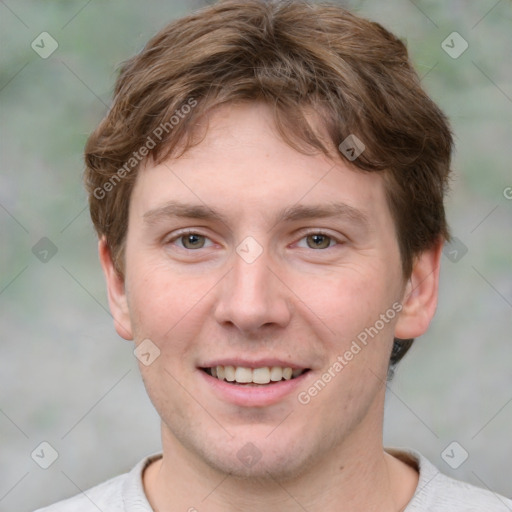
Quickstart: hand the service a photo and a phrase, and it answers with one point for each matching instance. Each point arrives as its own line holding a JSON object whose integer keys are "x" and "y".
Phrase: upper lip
{"x": 258, "y": 363}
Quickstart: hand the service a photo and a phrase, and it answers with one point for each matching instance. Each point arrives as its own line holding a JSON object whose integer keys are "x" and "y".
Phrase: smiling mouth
{"x": 240, "y": 375}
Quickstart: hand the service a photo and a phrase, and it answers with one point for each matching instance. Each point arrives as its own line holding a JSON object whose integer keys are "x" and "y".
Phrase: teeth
{"x": 263, "y": 375}
{"x": 276, "y": 373}
{"x": 287, "y": 373}
{"x": 229, "y": 372}
{"x": 243, "y": 375}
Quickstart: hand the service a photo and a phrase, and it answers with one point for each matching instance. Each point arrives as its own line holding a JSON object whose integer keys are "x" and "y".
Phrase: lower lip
{"x": 253, "y": 396}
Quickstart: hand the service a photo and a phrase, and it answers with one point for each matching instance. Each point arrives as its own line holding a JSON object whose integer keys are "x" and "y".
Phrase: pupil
{"x": 319, "y": 238}
{"x": 191, "y": 239}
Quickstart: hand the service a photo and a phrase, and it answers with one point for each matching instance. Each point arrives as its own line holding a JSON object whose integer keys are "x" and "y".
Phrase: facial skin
{"x": 295, "y": 302}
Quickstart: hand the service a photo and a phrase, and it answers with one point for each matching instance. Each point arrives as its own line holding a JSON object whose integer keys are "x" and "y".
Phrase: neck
{"x": 357, "y": 476}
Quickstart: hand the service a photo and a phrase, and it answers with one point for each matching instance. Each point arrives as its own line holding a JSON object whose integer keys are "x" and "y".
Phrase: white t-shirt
{"x": 435, "y": 492}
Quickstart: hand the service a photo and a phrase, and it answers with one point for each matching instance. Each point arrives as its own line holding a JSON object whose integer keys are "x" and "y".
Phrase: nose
{"x": 254, "y": 295}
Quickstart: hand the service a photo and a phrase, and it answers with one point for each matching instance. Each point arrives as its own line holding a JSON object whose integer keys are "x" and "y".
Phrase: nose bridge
{"x": 251, "y": 295}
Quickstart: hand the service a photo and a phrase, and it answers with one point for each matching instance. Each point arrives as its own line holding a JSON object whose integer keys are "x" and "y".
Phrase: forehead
{"x": 242, "y": 167}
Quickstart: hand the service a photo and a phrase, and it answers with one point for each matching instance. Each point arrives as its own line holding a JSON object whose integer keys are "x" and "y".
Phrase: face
{"x": 246, "y": 259}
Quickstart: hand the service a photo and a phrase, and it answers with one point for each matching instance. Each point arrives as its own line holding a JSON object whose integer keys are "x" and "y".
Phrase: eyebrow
{"x": 177, "y": 209}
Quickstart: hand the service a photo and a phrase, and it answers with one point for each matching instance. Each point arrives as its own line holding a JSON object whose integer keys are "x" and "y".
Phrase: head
{"x": 249, "y": 108}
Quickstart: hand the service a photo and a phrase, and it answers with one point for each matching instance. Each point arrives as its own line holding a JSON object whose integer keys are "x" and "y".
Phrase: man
{"x": 268, "y": 193}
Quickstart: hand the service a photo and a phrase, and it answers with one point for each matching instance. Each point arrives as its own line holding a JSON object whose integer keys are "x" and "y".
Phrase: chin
{"x": 259, "y": 457}
{"x": 270, "y": 467}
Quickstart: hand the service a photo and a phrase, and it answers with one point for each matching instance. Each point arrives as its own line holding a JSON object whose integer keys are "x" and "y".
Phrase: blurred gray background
{"x": 66, "y": 377}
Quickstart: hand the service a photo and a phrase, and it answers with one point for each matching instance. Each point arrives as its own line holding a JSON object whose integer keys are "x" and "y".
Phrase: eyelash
{"x": 304, "y": 235}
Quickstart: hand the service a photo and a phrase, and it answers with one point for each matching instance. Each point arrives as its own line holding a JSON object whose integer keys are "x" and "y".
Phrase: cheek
{"x": 355, "y": 297}
{"x": 161, "y": 301}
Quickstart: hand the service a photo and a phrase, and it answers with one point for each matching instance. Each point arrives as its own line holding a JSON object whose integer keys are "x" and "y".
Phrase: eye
{"x": 319, "y": 240}
{"x": 190, "y": 240}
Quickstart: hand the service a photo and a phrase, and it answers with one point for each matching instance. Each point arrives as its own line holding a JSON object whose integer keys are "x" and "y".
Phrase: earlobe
{"x": 420, "y": 296}
{"x": 116, "y": 292}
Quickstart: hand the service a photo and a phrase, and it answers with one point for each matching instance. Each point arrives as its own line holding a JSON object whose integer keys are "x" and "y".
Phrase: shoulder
{"x": 105, "y": 496}
{"x": 447, "y": 494}
{"x": 437, "y": 492}
{"x": 113, "y": 495}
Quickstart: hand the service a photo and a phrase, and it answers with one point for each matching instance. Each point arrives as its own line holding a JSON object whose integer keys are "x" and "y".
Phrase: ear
{"x": 420, "y": 296}
{"x": 116, "y": 292}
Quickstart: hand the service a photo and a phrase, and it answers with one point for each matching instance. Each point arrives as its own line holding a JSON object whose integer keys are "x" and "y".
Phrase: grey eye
{"x": 192, "y": 241}
{"x": 319, "y": 241}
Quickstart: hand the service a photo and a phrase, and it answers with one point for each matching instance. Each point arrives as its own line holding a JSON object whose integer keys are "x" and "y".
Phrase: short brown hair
{"x": 297, "y": 57}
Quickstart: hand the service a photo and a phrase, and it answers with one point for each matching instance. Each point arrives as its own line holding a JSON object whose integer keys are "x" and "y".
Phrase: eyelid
{"x": 302, "y": 234}
{"x": 338, "y": 239}
{"x": 183, "y": 232}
